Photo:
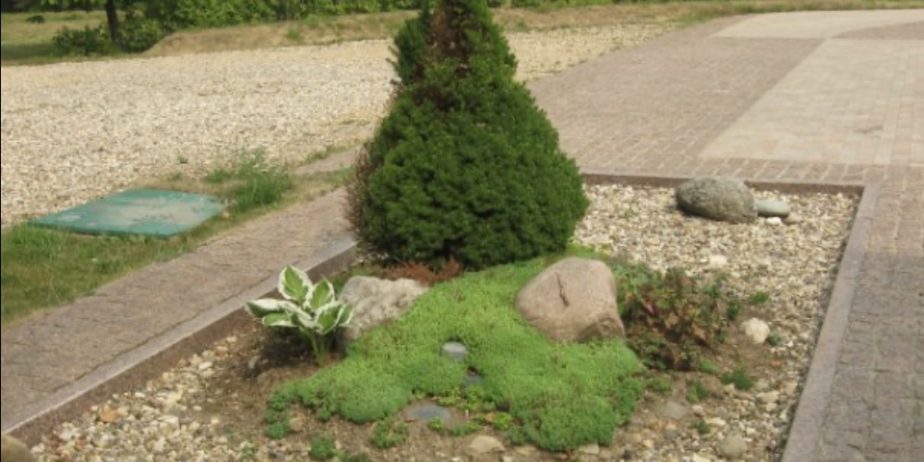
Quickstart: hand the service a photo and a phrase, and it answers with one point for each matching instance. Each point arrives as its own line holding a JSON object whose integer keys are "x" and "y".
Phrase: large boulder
{"x": 376, "y": 301}
{"x": 573, "y": 300}
{"x": 717, "y": 198}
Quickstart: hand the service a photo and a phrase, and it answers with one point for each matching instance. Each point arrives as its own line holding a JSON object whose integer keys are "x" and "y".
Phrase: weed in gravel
{"x": 701, "y": 427}
{"x": 696, "y": 391}
{"x": 758, "y": 298}
{"x": 774, "y": 339}
{"x": 671, "y": 316}
{"x": 389, "y": 433}
{"x": 322, "y": 448}
{"x": 706, "y": 366}
{"x": 660, "y": 385}
{"x": 739, "y": 377}
{"x": 464, "y": 429}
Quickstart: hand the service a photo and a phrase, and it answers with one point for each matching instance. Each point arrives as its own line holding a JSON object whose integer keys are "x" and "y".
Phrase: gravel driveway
{"x": 72, "y": 132}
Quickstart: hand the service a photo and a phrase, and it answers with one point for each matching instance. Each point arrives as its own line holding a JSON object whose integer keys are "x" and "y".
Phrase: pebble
{"x": 756, "y": 330}
{"x": 733, "y": 446}
{"x": 772, "y": 208}
{"x": 455, "y": 351}
{"x": 484, "y": 444}
{"x": 774, "y": 221}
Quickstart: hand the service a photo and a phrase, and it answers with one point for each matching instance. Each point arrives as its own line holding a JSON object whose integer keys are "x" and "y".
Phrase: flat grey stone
{"x": 455, "y": 351}
{"x": 772, "y": 208}
{"x": 425, "y": 412}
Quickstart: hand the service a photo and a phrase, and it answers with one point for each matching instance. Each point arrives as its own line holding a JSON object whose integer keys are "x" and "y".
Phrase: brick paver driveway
{"x": 818, "y": 97}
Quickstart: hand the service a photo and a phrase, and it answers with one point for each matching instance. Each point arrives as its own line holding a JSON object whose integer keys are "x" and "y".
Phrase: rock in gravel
{"x": 484, "y": 444}
{"x": 774, "y": 221}
{"x": 108, "y": 415}
{"x": 377, "y": 301}
{"x": 589, "y": 449}
{"x": 14, "y": 450}
{"x": 717, "y": 198}
{"x": 455, "y": 351}
{"x": 573, "y": 300}
{"x": 673, "y": 410}
{"x": 793, "y": 219}
{"x": 772, "y": 208}
{"x": 733, "y": 446}
{"x": 718, "y": 261}
{"x": 426, "y": 412}
{"x": 756, "y": 330}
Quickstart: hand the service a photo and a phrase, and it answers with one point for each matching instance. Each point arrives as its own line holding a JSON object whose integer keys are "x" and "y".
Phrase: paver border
{"x": 162, "y": 352}
{"x": 804, "y": 433}
{"x": 149, "y": 360}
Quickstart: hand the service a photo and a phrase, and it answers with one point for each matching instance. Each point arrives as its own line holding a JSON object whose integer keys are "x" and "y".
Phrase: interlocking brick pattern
{"x": 767, "y": 99}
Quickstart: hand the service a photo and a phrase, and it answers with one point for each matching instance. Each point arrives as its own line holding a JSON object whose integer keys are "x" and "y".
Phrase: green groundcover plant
{"x": 560, "y": 396}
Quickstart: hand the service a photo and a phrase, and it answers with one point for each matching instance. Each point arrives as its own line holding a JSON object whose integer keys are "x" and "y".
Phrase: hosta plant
{"x": 313, "y": 310}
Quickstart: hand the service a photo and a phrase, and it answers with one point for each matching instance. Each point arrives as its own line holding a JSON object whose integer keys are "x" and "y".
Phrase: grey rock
{"x": 772, "y": 208}
{"x": 573, "y": 300}
{"x": 426, "y": 412}
{"x": 377, "y": 301}
{"x": 455, "y": 351}
{"x": 733, "y": 446}
{"x": 793, "y": 219}
{"x": 484, "y": 444}
{"x": 673, "y": 410}
{"x": 14, "y": 450}
{"x": 756, "y": 330}
{"x": 717, "y": 198}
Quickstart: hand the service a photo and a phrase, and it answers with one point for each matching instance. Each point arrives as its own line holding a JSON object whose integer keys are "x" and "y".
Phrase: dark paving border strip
{"x": 149, "y": 360}
{"x": 805, "y": 432}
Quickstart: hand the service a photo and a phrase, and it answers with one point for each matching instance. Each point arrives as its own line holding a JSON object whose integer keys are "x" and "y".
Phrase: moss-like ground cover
{"x": 561, "y": 395}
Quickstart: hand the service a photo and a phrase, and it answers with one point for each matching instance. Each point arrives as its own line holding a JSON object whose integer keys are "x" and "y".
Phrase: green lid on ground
{"x": 147, "y": 212}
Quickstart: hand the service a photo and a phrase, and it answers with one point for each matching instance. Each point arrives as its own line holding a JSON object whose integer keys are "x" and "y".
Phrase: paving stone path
{"x": 816, "y": 97}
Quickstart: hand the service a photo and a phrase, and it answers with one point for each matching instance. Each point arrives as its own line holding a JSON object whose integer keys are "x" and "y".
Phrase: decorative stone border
{"x": 149, "y": 360}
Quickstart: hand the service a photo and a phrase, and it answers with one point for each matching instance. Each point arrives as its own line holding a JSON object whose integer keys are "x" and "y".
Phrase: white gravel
{"x": 72, "y": 132}
{"x": 794, "y": 264}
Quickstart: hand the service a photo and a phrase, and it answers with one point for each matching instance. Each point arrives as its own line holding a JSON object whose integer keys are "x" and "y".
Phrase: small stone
{"x": 774, "y": 221}
{"x": 699, "y": 458}
{"x": 425, "y": 412}
{"x": 205, "y": 365}
{"x": 718, "y": 261}
{"x": 484, "y": 444}
{"x": 672, "y": 410}
{"x": 772, "y": 208}
{"x": 252, "y": 362}
{"x": 733, "y": 446}
{"x": 108, "y": 415}
{"x": 769, "y": 397}
{"x": 756, "y": 330}
{"x": 455, "y": 351}
{"x": 793, "y": 219}
{"x": 717, "y": 422}
{"x": 507, "y": 459}
{"x": 590, "y": 449}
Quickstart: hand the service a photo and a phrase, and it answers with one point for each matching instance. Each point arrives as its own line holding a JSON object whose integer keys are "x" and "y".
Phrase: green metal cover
{"x": 147, "y": 212}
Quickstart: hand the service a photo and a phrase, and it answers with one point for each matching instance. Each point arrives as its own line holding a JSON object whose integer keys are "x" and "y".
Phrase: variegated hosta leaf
{"x": 266, "y": 306}
{"x": 323, "y": 294}
{"x": 277, "y": 320}
{"x": 294, "y": 284}
{"x": 303, "y": 320}
{"x": 331, "y": 317}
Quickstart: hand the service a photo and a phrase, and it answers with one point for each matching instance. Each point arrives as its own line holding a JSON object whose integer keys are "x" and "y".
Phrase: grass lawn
{"x": 41, "y": 268}
{"x": 558, "y": 396}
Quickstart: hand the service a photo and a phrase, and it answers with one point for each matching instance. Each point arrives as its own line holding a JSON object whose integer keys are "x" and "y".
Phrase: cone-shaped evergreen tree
{"x": 465, "y": 165}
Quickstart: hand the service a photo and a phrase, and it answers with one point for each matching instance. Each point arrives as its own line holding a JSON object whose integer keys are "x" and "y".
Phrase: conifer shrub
{"x": 464, "y": 166}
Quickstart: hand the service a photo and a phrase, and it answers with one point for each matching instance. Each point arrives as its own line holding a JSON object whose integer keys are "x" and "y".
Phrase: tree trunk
{"x": 112, "y": 18}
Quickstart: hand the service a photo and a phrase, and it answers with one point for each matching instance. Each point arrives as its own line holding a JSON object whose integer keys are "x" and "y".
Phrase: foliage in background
{"x": 670, "y": 316}
{"x": 559, "y": 396}
{"x": 310, "y": 309}
{"x": 464, "y": 165}
{"x": 89, "y": 41}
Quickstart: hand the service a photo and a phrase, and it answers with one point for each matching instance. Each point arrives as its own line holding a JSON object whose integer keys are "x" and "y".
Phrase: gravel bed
{"x": 72, "y": 132}
{"x": 174, "y": 417}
